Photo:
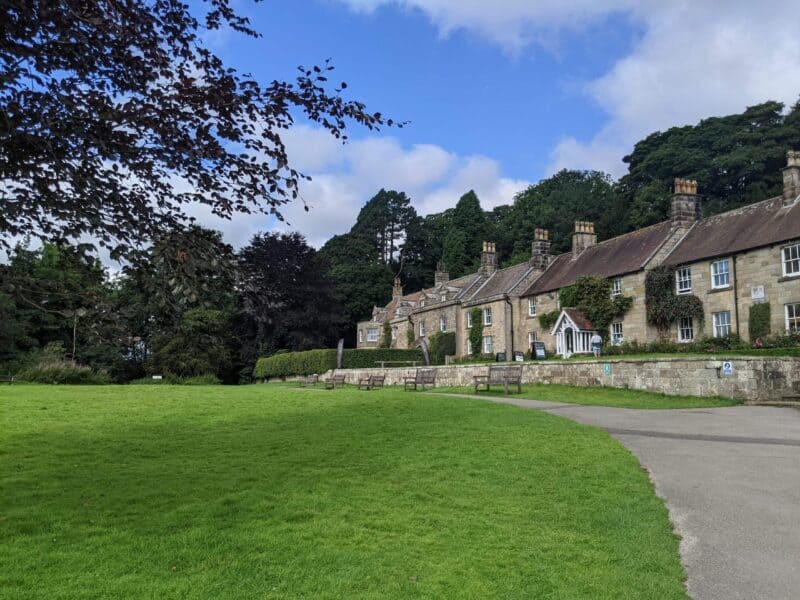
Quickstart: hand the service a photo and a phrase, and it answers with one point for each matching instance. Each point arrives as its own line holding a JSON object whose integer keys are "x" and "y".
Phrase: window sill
{"x": 684, "y": 293}
{"x": 727, "y": 288}
{"x": 789, "y": 278}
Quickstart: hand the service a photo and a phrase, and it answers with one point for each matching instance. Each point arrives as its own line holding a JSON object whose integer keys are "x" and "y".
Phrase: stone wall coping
{"x": 717, "y": 358}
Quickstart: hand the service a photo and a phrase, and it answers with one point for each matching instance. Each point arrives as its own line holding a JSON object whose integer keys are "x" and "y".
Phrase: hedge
{"x": 759, "y": 321}
{"x": 288, "y": 364}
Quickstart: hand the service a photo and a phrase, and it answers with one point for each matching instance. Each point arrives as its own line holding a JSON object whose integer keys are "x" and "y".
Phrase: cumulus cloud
{"x": 693, "y": 59}
{"x": 344, "y": 177}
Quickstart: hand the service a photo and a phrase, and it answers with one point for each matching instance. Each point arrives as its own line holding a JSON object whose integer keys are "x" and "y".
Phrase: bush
{"x": 759, "y": 325}
{"x": 441, "y": 344}
{"x": 63, "y": 372}
{"x": 548, "y": 320}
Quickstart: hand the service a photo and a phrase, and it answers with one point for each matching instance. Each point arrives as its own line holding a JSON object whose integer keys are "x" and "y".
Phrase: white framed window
{"x": 422, "y": 303}
{"x": 616, "y": 333}
{"x": 422, "y": 329}
{"x": 720, "y": 274}
{"x": 686, "y": 329}
{"x": 372, "y": 334}
{"x": 360, "y": 335}
{"x": 722, "y": 323}
{"x": 792, "y": 311}
{"x": 444, "y": 297}
{"x": 443, "y": 323}
{"x": 487, "y": 316}
{"x": 791, "y": 260}
{"x": 683, "y": 280}
{"x": 531, "y": 338}
{"x": 394, "y": 333}
{"x": 532, "y": 306}
{"x": 558, "y": 301}
{"x": 488, "y": 345}
{"x": 616, "y": 287}
{"x": 469, "y": 319}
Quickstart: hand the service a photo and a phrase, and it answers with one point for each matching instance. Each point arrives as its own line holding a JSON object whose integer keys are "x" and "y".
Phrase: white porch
{"x": 573, "y": 333}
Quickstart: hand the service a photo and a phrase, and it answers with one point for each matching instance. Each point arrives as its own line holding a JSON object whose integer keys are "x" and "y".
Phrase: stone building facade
{"x": 729, "y": 261}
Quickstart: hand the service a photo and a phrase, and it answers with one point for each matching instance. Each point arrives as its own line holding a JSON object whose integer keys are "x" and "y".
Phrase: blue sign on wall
{"x": 607, "y": 369}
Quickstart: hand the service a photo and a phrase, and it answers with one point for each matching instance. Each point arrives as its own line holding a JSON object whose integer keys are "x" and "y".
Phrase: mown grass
{"x": 279, "y": 492}
{"x": 600, "y": 396}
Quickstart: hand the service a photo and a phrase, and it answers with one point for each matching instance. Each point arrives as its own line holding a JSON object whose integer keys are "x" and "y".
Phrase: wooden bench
{"x": 334, "y": 381}
{"x": 309, "y": 380}
{"x": 9, "y": 379}
{"x": 500, "y": 375}
{"x": 421, "y": 378}
{"x": 371, "y": 382}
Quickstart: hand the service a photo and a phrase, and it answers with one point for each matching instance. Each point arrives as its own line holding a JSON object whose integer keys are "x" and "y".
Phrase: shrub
{"x": 63, "y": 372}
{"x": 759, "y": 321}
{"x": 364, "y": 358}
{"x": 476, "y": 331}
{"x": 441, "y": 344}
{"x": 663, "y": 306}
{"x": 207, "y": 379}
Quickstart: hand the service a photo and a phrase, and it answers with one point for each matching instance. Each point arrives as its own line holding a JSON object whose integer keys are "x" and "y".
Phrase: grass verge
{"x": 278, "y": 492}
{"x": 602, "y": 396}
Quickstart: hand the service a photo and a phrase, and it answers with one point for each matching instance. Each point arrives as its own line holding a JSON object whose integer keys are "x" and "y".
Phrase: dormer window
{"x": 444, "y": 297}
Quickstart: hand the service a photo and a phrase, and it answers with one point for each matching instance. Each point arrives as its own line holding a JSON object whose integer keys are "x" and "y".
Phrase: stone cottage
{"x": 729, "y": 261}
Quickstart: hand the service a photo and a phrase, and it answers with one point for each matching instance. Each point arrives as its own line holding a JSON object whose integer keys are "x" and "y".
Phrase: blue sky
{"x": 459, "y": 91}
{"x": 501, "y": 94}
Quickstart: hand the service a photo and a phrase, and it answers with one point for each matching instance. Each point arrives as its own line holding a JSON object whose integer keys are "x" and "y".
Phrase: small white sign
{"x": 757, "y": 292}
{"x": 157, "y": 378}
{"x": 727, "y": 368}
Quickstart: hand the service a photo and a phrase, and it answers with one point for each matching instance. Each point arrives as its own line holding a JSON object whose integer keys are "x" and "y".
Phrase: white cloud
{"x": 693, "y": 59}
{"x": 344, "y": 177}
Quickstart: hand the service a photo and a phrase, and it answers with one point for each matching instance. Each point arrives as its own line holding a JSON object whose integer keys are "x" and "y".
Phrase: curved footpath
{"x": 730, "y": 478}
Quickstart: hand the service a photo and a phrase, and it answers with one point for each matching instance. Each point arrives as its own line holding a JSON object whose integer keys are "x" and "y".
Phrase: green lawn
{"x": 279, "y": 492}
{"x": 600, "y": 396}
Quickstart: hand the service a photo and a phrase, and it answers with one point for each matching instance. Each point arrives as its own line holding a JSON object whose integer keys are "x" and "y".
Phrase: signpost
{"x": 519, "y": 356}
{"x": 539, "y": 351}
{"x": 500, "y": 357}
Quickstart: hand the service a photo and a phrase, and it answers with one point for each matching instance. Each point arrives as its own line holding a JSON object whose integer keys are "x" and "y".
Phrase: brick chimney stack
{"x": 791, "y": 177}
{"x": 488, "y": 259}
{"x": 440, "y": 276}
{"x": 540, "y": 249}
{"x": 685, "y": 203}
{"x": 397, "y": 290}
{"x": 583, "y": 237}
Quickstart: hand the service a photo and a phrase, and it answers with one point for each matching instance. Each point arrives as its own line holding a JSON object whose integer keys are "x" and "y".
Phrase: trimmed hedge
{"x": 759, "y": 321}
{"x": 289, "y": 364}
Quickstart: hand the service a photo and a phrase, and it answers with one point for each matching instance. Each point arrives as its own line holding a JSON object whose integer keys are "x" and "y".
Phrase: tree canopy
{"x": 116, "y": 117}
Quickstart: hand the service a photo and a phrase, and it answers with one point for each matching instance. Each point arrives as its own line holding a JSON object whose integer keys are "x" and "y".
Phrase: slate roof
{"x": 753, "y": 226}
{"x": 500, "y": 282}
{"x": 623, "y": 254}
{"x": 580, "y": 319}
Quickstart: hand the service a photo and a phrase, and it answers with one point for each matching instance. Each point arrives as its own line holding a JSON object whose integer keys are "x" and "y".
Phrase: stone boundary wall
{"x": 753, "y": 379}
